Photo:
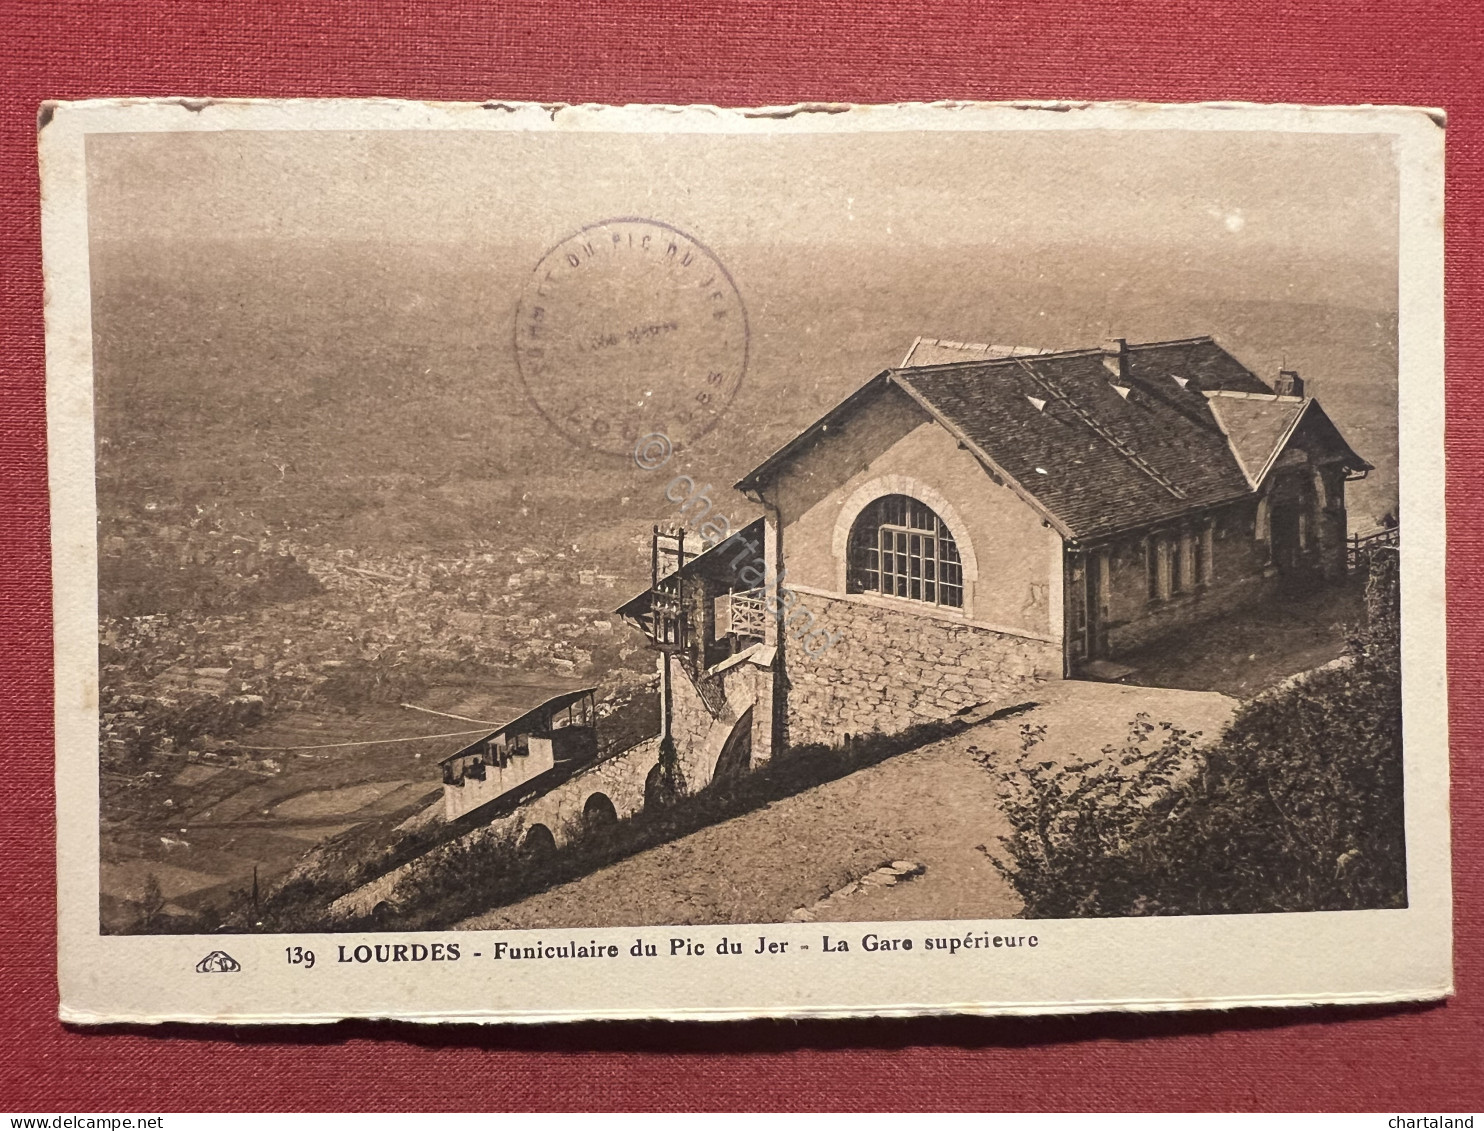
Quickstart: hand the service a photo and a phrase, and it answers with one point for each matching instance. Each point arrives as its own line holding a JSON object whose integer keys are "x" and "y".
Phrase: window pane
{"x": 901, "y": 548}
{"x": 863, "y": 572}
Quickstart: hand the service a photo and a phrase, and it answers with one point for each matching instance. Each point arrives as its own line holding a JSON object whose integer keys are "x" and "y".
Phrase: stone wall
{"x": 700, "y": 734}
{"x": 893, "y": 667}
{"x": 699, "y": 738}
{"x": 620, "y": 778}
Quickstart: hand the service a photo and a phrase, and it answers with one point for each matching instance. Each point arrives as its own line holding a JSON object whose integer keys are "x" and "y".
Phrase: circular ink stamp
{"x": 631, "y": 327}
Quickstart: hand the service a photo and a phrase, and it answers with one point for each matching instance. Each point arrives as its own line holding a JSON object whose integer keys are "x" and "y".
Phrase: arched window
{"x": 901, "y": 548}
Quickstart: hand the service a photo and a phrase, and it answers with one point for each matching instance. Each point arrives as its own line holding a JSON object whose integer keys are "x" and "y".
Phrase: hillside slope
{"x": 930, "y": 808}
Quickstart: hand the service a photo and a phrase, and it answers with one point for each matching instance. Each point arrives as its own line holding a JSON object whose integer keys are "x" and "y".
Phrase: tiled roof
{"x": 1257, "y": 427}
{"x": 721, "y": 563}
{"x": 1096, "y": 452}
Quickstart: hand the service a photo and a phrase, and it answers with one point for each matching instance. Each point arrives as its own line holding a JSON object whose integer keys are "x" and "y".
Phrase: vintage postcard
{"x": 523, "y": 562}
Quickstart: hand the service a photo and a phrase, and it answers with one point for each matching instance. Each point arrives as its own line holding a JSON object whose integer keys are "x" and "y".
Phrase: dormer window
{"x": 899, "y": 547}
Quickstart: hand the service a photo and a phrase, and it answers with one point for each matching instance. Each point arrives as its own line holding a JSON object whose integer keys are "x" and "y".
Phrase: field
{"x": 202, "y": 822}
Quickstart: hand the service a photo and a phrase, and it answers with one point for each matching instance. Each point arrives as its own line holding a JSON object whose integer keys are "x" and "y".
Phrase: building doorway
{"x": 1287, "y": 534}
{"x": 1086, "y": 608}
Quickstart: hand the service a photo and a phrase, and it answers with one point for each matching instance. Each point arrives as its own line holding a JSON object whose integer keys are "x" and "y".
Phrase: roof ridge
{"x": 950, "y": 343}
{"x": 1243, "y": 395}
{"x": 1074, "y": 351}
{"x": 1049, "y": 355}
{"x": 1171, "y": 342}
{"x": 993, "y": 350}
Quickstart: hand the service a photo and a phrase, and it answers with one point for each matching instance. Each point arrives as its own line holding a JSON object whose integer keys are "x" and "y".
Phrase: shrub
{"x": 1073, "y": 823}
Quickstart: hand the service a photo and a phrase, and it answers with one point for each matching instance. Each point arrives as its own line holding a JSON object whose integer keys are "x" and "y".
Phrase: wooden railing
{"x": 747, "y": 613}
{"x": 1360, "y": 547}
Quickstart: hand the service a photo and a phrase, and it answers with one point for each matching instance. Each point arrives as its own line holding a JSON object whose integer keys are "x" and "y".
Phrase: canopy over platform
{"x": 538, "y": 720}
{"x": 720, "y": 564}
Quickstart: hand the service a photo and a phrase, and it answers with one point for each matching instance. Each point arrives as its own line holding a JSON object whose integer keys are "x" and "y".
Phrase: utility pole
{"x": 668, "y": 632}
{"x": 661, "y": 629}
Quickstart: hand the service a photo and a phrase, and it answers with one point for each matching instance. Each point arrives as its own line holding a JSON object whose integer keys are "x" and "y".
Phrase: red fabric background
{"x": 731, "y": 52}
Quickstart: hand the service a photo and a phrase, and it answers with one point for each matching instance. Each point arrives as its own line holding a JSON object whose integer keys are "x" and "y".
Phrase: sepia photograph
{"x": 746, "y": 520}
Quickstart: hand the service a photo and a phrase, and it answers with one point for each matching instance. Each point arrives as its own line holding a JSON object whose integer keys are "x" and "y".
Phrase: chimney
{"x": 1289, "y": 383}
{"x": 1115, "y": 358}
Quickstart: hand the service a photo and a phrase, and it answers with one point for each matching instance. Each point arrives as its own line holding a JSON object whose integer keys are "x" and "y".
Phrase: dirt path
{"x": 1256, "y": 648}
{"x": 930, "y": 807}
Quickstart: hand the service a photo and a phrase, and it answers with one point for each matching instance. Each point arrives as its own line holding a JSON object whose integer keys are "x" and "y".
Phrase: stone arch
{"x": 598, "y": 811}
{"x": 381, "y": 914}
{"x": 538, "y": 841}
{"x": 735, "y": 758}
{"x": 654, "y": 794}
{"x": 867, "y": 493}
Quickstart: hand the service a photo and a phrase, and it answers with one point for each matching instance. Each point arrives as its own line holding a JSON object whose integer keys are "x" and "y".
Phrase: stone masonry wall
{"x": 891, "y": 668}
{"x": 699, "y": 739}
{"x": 620, "y": 778}
{"x": 700, "y": 735}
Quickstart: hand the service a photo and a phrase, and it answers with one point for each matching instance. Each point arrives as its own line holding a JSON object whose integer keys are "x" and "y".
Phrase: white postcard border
{"x": 1077, "y": 965}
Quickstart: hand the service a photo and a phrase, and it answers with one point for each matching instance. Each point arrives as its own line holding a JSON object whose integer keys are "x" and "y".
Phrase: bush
{"x": 1297, "y": 807}
{"x": 1072, "y": 824}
